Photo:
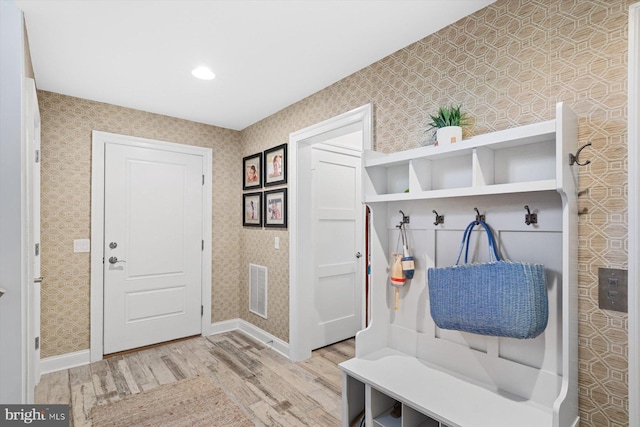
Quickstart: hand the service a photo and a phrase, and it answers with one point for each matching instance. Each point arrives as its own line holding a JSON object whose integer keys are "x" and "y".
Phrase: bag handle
{"x": 466, "y": 238}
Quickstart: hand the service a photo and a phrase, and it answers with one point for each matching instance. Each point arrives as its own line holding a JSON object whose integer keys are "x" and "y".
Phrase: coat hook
{"x": 405, "y": 218}
{"x": 478, "y": 216}
{"x": 439, "y": 218}
{"x": 530, "y": 218}
{"x": 576, "y": 158}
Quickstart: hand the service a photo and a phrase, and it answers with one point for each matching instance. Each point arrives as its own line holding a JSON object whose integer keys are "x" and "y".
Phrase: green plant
{"x": 448, "y": 116}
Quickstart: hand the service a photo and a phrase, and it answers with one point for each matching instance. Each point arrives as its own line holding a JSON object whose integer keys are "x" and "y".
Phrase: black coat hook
{"x": 439, "y": 218}
{"x": 576, "y": 159}
{"x": 530, "y": 218}
{"x": 478, "y": 216}
{"x": 405, "y": 218}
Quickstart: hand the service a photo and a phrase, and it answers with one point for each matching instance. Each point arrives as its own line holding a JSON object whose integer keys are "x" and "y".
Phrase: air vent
{"x": 258, "y": 290}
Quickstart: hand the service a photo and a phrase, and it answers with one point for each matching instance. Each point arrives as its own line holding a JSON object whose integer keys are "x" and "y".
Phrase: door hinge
{"x": 202, "y": 179}
{"x": 37, "y": 156}
{"x": 203, "y": 245}
{"x": 37, "y": 249}
{"x": 37, "y": 343}
{"x": 201, "y": 310}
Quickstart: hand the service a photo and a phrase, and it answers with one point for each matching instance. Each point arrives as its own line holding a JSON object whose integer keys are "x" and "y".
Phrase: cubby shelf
{"x": 448, "y": 378}
{"x": 513, "y": 160}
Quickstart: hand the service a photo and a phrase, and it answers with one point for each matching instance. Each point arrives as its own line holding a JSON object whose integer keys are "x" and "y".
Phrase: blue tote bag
{"x": 497, "y": 298}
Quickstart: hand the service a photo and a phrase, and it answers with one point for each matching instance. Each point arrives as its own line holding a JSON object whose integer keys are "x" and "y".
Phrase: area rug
{"x": 187, "y": 403}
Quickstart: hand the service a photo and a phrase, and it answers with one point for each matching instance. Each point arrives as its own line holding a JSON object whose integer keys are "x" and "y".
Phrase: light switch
{"x": 276, "y": 243}
{"x": 81, "y": 245}
{"x": 612, "y": 286}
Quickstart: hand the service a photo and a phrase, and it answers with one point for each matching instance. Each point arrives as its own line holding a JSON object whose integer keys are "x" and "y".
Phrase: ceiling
{"x": 266, "y": 54}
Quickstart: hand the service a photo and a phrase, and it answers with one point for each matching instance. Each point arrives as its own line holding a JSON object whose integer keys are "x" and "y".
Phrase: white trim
{"x": 300, "y": 347}
{"x": 633, "y": 143}
{"x": 254, "y": 332}
{"x": 100, "y": 139}
{"x": 65, "y": 361}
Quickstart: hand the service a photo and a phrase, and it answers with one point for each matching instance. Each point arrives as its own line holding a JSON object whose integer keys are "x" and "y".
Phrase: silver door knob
{"x": 114, "y": 260}
{"x": 358, "y": 255}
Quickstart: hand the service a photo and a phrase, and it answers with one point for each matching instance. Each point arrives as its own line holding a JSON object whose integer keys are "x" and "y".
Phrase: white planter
{"x": 449, "y": 135}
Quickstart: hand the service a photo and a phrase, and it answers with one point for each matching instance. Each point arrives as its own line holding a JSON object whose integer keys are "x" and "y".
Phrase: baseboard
{"x": 254, "y": 332}
{"x": 65, "y": 361}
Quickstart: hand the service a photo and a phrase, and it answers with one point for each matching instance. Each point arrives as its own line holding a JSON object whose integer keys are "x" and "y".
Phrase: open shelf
{"x": 525, "y": 155}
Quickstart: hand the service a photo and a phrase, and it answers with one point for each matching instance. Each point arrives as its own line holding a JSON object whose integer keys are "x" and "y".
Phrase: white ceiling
{"x": 266, "y": 54}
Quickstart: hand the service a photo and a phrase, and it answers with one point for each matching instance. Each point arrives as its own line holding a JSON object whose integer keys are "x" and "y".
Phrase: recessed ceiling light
{"x": 203, "y": 73}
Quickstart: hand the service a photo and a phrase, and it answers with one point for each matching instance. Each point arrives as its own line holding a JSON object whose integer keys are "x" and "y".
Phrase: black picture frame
{"x": 252, "y": 209}
{"x": 275, "y": 166}
{"x": 252, "y": 172}
{"x": 275, "y": 208}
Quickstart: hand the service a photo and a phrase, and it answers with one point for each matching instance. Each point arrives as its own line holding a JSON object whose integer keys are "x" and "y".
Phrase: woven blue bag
{"x": 498, "y": 298}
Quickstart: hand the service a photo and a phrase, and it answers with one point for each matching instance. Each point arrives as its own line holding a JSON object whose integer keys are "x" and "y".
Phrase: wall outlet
{"x": 81, "y": 245}
{"x": 612, "y": 289}
{"x": 276, "y": 243}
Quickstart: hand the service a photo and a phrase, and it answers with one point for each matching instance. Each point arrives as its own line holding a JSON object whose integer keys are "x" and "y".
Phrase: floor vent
{"x": 258, "y": 290}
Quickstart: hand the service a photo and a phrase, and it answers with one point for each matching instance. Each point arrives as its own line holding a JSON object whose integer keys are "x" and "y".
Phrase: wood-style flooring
{"x": 268, "y": 388}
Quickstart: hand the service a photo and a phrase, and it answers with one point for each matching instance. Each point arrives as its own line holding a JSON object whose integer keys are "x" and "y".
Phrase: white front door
{"x": 337, "y": 230}
{"x": 152, "y": 246}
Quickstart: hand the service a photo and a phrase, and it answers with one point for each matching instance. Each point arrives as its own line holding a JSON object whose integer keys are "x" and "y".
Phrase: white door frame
{"x": 100, "y": 139}
{"x": 300, "y": 301}
{"x": 633, "y": 142}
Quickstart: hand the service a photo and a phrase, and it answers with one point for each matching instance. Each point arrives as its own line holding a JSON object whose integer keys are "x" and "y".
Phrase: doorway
{"x": 322, "y": 308}
{"x": 150, "y": 251}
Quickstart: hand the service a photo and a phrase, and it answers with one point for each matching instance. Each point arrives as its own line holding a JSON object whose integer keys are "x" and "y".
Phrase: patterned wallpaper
{"x": 508, "y": 65}
{"x": 67, "y": 123}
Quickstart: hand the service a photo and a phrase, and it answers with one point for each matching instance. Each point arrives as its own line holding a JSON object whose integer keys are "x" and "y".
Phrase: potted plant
{"x": 448, "y": 123}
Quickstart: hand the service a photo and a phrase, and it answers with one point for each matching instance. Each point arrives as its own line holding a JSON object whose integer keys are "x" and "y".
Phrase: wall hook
{"x": 405, "y": 218}
{"x": 530, "y": 218}
{"x": 478, "y": 216}
{"x": 439, "y": 218}
{"x": 576, "y": 158}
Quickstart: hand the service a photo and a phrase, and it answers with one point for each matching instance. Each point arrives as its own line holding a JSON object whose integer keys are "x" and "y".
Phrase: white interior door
{"x": 32, "y": 123}
{"x": 152, "y": 246}
{"x": 337, "y": 229}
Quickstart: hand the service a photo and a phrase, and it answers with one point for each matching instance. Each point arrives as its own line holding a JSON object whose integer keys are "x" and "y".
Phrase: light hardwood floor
{"x": 269, "y": 389}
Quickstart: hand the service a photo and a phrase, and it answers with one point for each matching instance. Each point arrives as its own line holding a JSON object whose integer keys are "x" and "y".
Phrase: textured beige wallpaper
{"x": 508, "y": 65}
{"x": 67, "y": 123}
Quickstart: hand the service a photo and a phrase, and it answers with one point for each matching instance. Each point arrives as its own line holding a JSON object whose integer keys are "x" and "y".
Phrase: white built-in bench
{"x": 453, "y": 379}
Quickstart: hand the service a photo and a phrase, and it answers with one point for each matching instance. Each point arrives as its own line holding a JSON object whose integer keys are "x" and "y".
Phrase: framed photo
{"x": 252, "y": 172}
{"x": 275, "y": 212}
{"x": 252, "y": 210}
{"x": 275, "y": 165}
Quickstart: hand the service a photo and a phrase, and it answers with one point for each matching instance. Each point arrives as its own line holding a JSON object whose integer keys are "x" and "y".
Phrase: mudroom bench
{"x": 430, "y": 396}
{"x": 404, "y": 364}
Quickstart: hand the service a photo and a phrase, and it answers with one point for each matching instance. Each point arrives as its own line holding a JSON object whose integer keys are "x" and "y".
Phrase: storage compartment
{"x": 353, "y": 398}
{"x": 381, "y": 408}
{"x": 389, "y": 179}
{"x": 532, "y": 162}
{"x": 451, "y": 172}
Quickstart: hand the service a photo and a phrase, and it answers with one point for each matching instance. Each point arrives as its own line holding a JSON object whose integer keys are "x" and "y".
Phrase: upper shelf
{"x": 523, "y": 159}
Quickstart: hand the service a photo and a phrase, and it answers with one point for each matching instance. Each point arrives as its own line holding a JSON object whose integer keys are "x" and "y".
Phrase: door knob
{"x": 114, "y": 260}
{"x": 358, "y": 255}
